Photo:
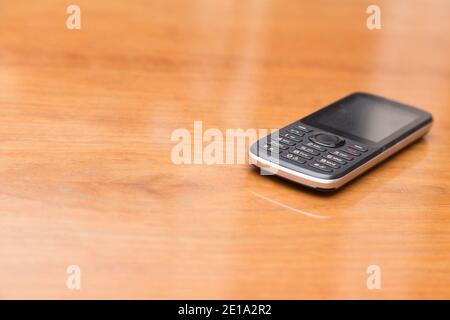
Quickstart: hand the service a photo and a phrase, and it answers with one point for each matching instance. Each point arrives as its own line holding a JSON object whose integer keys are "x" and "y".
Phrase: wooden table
{"x": 86, "y": 176}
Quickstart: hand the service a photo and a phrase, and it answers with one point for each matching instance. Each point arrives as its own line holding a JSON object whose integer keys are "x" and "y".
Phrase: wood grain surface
{"x": 86, "y": 176}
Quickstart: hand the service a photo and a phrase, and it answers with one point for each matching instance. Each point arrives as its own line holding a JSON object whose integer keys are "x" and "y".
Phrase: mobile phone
{"x": 339, "y": 142}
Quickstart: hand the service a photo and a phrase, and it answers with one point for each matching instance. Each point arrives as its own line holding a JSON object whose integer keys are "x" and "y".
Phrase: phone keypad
{"x": 293, "y": 144}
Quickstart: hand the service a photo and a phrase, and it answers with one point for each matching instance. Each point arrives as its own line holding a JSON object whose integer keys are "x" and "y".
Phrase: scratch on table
{"x": 305, "y": 213}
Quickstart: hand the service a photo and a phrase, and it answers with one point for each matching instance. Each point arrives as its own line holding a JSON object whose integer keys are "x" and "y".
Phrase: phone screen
{"x": 365, "y": 117}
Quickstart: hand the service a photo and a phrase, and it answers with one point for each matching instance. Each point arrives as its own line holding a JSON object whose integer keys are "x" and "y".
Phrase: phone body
{"x": 334, "y": 145}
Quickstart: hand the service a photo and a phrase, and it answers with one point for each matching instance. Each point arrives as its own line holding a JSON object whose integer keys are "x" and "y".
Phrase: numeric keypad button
{"x": 342, "y": 155}
{"x": 296, "y": 131}
{"x": 315, "y": 146}
{"x": 271, "y": 149}
{"x": 293, "y": 158}
{"x": 284, "y": 141}
{"x": 278, "y": 145}
{"x": 307, "y": 149}
{"x": 321, "y": 167}
{"x": 290, "y": 136}
{"x": 351, "y": 151}
{"x": 302, "y": 154}
{"x": 358, "y": 147}
{"x": 329, "y": 163}
{"x": 335, "y": 159}
{"x": 303, "y": 128}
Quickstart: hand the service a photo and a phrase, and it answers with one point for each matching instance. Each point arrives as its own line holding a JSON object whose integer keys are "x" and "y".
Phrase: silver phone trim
{"x": 335, "y": 183}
